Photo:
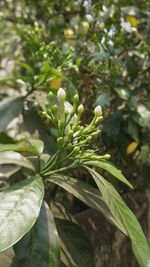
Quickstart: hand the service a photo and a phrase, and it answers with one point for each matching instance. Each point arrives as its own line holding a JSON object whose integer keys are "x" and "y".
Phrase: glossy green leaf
{"x": 86, "y": 193}
{"x": 125, "y": 217}
{"x": 9, "y": 109}
{"x": 103, "y": 164}
{"x": 18, "y": 148}
{"x": 40, "y": 246}
{"x": 15, "y": 158}
{"x": 19, "y": 208}
{"x": 76, "y": 251}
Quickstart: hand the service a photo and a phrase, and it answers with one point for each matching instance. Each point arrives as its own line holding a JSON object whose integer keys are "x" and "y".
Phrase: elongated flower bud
{"x": 98, "y": 111}
{"x": 61, "y": 94}
{"x": 80, "y": 109}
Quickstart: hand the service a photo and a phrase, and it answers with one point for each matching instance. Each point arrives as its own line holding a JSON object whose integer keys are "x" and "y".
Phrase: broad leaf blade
{"x": 15, "y": 158}
{"x": 76, "y": 251}
{"x": 86, "y": 193}
{"x": 40, "y": 246}
{"x": 107, "y": 166}
{"x": 19, "y": 208}
{"x": 18, "y": 148}
{"x": 125, "y": 217}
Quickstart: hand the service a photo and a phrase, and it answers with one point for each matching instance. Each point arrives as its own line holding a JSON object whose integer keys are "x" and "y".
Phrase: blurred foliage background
{"x": 100, "y": 49}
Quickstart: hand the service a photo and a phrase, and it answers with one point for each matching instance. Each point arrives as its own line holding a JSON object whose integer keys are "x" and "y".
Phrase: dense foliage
{"x": 101, "y": 52}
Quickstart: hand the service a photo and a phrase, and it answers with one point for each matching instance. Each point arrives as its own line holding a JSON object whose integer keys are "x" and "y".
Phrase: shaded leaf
{"x": 40, "y": 246}
{"x": 133, "y": 130}
{"x": 19, "y": 208}
{"x": 112, "y": 125}
{"x": 103, "y": 99}
{"x": 86, "y": 193}
{"x": 9, "y": 109}
{"x": 76, "y": 251}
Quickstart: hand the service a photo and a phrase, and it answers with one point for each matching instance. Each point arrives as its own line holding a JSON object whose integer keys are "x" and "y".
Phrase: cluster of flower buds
{"x": 72, "y": 136}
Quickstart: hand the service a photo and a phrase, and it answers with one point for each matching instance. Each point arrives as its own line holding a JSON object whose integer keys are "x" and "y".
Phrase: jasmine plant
{"x": 29, "y": 234}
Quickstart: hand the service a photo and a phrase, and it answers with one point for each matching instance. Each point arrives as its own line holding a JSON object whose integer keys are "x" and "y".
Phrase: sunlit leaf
{"x": 19, "y": 208}
{"x": 19, "y": 148}
{"x": 15, "y": 158}
{"x": 125, "y": 217}
{"x": 106, "y": 165}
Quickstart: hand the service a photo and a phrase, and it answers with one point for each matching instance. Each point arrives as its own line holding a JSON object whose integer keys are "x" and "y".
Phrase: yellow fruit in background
{"x": 131, "y": 147}
{"x": 101, "y": 26}
{"x": 84, "y": 27}
{"x": 55, "y": 83}
{"x": 132, "y": 20}
{"x": 69, "y": 33}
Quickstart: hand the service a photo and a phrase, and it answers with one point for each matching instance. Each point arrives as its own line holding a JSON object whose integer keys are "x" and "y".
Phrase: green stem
{"x": 60, "y": 170}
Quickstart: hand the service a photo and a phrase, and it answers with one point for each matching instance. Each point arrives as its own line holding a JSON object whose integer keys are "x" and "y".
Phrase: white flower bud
{"x": 61, "y": 94}
{"x": 98, "y": 111}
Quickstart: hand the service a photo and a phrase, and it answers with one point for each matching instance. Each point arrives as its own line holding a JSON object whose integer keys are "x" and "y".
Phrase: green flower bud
{"x": 51, "y": 95}
{"x": 70, "y": 133}
{"x": 76, "y": 98}
{"x": 76, "y": 150}
{"x": 89, "y": 139}
{"x": 59, "y": 141}
{"x": 80, "y": 109}
{"x": 95, "y": 133}
{"x": 107, "y": 156}
{"x": 46, "y": 104}
{"x": 69, "y": 146}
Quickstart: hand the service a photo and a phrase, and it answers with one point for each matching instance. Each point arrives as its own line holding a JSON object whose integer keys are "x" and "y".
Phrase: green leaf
{"x": 103, "y": 99}
{"x": 144, "y": 153}
{"x": 86, "y": 193}
{"x": 133, "y": 130}
{"x": 112, "y": 125}
{"x": 107, "y": 166}
{"x": 19, "y": 208}
{"x": 40, "y": 246}
{"x": 76, "y": 251}
{"x": 38, "y": 145}
{"x": 19, "y": 148}
{"x": 33, "y": 122}
{"x": 9, "y": 109}
{"x": 6, "y": 139}
{"x": 125, "y": 217}
{"x": 15, "y": 158}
